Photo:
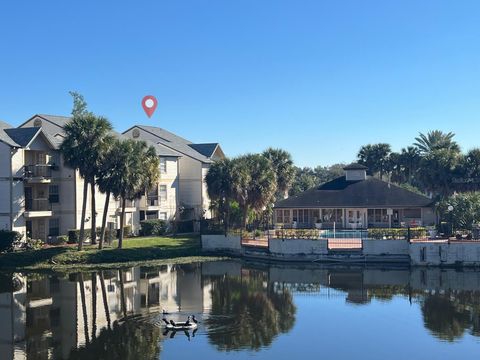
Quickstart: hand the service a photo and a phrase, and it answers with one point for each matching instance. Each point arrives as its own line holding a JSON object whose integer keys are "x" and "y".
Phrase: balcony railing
{"x": 37, "y": 205}
{"x": 38, "y": 171}
{"x": 152, "y": 201}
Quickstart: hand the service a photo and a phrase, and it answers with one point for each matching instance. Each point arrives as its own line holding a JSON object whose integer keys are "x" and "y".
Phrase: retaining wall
{"x": 385, "y": 247}
{"x": 221, "y": 242}
{"x": 460, "y": 253}
{"x": 298, "y": 247}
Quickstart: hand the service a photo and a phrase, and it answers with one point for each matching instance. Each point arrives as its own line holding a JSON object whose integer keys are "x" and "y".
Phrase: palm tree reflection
{"x": 247, "y": 314}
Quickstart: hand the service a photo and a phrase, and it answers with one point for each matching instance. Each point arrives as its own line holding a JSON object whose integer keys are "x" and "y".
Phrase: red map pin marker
{"x": 149, "y": 104}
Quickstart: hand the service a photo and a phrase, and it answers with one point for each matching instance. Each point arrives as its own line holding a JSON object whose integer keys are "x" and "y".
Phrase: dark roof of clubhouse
{"x": 368, "y": 193}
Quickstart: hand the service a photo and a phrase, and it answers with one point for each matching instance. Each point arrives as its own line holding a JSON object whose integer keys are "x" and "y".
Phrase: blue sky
{"x": 318, "y": 78}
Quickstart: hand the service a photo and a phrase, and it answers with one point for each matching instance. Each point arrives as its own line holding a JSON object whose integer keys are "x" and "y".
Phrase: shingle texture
{"x": 174, "y": 142}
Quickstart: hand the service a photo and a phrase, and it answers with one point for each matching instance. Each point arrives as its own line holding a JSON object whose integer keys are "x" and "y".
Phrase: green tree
{"x": 282, "y": 165}
{"x": 108, "y": 178}
{"x": 256, "y": 183}
{"x": 437, "y": 171}
{"x": 85, "y": 140}
{"x": 137, "y": 171}
{"x": 465, "y": 213}
{"x": 436, "y": 140}
{"x": 375, "y": 157}
{"x": 469, "y": 171}
{"x": 221, "y": 188}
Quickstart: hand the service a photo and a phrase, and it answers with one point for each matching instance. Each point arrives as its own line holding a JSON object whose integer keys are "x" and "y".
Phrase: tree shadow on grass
{"x": 30, "y": 258}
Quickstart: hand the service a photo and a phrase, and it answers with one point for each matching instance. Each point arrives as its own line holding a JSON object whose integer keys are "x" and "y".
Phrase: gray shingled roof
{"x": 23, "y": 136}
{"x": 205, "y": 149}
{"x": 340, "y": 193}
{"x": 4, "y": 136}
{"x": 172, "y": 141}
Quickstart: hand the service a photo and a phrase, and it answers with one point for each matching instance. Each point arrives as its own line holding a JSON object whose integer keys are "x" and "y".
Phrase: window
{"x": 152, "y": 215}
{"x": 53, "y": 227}
{"x": 163, "y": 165}
{"x": 332, "y": 215}
{"x": 53, "y": 195}
{"x": 163, "y": 193}
{"x": 280, "y": 216}
{"x": 377, "y": 216}
{"x": 163, "y": 216}
{"x": 286, "y": 216}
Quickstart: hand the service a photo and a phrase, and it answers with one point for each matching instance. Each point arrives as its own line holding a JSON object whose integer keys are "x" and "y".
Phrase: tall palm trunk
{"x": 245, "y": 215}
{"x": 84, "y": 307}
{"x": 84, "y": 210}
{"x": 93, "y": 230}
{"x": 122, "y": 294}
{"x": 104, "y": 220}
{"x": 105, "y": 300}
{"x": 122, "y": 222}
{"x": 94, "y": 305}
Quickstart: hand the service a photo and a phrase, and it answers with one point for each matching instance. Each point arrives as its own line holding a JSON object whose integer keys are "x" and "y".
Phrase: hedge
{"x": 8, "y": 239}
{"x": 74, "y": 235}
{"x": 153, "y": 227}
{"x": 395, "y": 234}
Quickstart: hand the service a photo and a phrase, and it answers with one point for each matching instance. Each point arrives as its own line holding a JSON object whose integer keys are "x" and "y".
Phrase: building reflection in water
{"x": 90, "y": 315}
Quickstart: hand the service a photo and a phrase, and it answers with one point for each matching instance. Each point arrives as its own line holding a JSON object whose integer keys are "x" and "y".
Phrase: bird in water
{"x": 187, "y": 323}
{"x": 194, "y": 319}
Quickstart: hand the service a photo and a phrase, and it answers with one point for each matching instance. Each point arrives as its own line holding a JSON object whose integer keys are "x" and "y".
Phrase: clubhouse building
{"x": 355, "y": 201}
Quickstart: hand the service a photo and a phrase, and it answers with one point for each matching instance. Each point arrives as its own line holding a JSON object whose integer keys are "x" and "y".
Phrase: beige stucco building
{"x": 41, "y": 198}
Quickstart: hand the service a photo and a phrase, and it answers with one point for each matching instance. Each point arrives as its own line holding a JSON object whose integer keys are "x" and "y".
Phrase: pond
{"x": 244, "y": 310}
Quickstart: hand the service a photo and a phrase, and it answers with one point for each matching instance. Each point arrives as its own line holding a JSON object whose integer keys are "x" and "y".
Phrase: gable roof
{"x": 340, "y": 193}
{"x": 4, "y": 136}
{"x": 23, "y": 136}
{"x": 51, "y": 124}
{"x": 205, "y": 149}
{"x": 163, "y": 137}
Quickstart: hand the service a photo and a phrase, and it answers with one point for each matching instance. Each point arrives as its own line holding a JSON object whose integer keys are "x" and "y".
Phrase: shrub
{"x": 74, "y": 235}
{"x": 395, "y": 234}
{"x": 8, "y": 239}
{"x": 184, "y": 226}
{"x": 127, "y": 232}
{"x": 34, "y": 244}
{"x": 59, "y": 240}
{"x": 153, "y": 227}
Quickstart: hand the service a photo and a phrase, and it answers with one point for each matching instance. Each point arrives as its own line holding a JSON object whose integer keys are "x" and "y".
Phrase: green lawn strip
{"x": 135, "y": 251}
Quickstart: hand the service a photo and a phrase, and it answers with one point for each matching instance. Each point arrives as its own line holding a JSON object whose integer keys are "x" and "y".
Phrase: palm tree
{"x": 220, "y": 188}
{"x": 138, "y": 170}
{"x": 255, "y": 183}
{"x": 436, "y": 140}
{"x": 85, "y": 139}
{"x": 107, "y": 179}
{"x": 375, "y": 157}
{"x": 282, "y": 164}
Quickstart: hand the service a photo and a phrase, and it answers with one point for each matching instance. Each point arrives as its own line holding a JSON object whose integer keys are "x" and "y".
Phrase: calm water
{"x": 245, "y": 310}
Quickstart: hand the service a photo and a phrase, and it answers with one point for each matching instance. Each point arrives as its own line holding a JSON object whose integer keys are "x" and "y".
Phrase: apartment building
{"x": 40, "y": 197}
{"x": 193, "y": 164}
{"x": 33, "y": 182}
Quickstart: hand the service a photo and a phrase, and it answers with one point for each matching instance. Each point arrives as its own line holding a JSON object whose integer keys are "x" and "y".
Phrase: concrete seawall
{"x": 426, "y": 253}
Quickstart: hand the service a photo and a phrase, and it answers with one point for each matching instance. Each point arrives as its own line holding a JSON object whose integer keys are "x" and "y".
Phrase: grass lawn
{"x": 136, "y": 251}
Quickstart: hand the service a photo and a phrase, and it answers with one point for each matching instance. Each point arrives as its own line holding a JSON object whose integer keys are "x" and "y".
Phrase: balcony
{"x": 129, "y": 206}
{"x": 35, "y": 208}
{"x": 39, "y": 173}
{"x": 150, "y": 203}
